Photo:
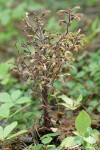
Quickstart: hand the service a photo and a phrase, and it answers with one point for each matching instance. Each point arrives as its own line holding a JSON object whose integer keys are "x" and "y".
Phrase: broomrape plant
{"x": 52, "y": 54}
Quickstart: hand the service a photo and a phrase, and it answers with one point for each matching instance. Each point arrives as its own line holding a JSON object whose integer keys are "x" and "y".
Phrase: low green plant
{"x": 45, "y": 140}
{"x": 13, "y": 99}
{"x": 10, "y": 101}
{"x": 85, "y": 135}
{"x": 5, "y": 132}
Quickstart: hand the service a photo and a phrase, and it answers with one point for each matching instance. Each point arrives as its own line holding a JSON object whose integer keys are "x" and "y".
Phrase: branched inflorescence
{"x": 52, "y": 53}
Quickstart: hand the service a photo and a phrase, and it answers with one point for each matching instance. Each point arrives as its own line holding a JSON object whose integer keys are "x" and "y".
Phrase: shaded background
{"x": 86, "y": 78}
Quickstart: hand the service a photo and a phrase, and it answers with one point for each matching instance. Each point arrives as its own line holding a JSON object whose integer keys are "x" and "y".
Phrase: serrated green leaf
{"x": 82, "y": 122}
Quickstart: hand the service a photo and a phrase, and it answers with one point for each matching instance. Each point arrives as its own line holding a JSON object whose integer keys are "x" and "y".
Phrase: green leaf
{"x": 82, "y": 122}
{"x": 1, "y": 133}
{"x": 89, "y": 130}
{"x": 51, "y": 147}
{"x": 9, "y": 105}
{"x": 47, "y": 140}
{"x": 16, "y": 134}
{"x": 90, "y": 140}
{"x": 5, "y": 97}
{"x": 68, "y": 142}
{"x": 16, "y": 94}
{"x": 70, "y": 103}
{"x": 70, "y": 84}
{"x": 80, "y": 74}
{"x": 4, "y": 111}
{"x": 79, "y": 99}
{"x": 37, "y": 147}
{"x": 49, "y": 135}
{"x": 96, "y": 132}
{"x": 9, "y": 128}
{"x": 69, "y": 106}
{"x": 66, "y": 99}
{"x": 90, "y": 147}
{"x": 23, "y": 100}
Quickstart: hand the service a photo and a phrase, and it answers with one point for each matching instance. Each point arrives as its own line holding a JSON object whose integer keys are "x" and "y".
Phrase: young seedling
{"x": 52, "y": 54}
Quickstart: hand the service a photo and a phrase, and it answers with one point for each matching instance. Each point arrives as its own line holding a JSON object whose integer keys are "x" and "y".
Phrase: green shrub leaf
{"x": 82, "y": 122}
{"x": 47, "y": 140}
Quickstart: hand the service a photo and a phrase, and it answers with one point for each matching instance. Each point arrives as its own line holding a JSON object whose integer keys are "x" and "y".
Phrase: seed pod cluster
{"x": 52, "y": 54}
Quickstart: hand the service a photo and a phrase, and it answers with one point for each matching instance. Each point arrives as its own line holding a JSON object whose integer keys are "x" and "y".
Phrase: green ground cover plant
{"x": 8, "y": 101}
{"x": 85, "y": 135}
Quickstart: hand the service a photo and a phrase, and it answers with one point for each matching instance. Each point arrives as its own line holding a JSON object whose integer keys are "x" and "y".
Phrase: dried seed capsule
{"x": 61, "y": 22}
{"x": 61, "y": 11}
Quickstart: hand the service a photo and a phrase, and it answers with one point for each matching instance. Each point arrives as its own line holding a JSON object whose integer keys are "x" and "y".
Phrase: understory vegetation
{"x": 49, "y": 75}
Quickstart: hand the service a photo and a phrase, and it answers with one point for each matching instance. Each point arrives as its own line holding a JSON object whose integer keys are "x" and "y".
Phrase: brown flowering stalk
{"x": 51, "y": 56}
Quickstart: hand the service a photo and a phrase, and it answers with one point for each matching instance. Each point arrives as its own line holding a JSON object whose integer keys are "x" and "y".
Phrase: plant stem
{"x": 45, "y": 107}
{"x": 3, "y": 145}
